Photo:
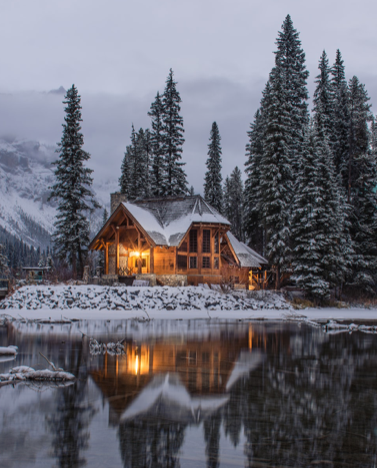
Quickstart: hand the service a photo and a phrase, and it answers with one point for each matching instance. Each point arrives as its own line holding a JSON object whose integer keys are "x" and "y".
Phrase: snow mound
{"x": 23, "y": 373}
{"x": 8, "y": 351}
{"x": 91, "y": 297}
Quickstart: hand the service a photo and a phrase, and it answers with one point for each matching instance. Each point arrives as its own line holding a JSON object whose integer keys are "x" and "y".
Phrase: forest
{"x": 306, "y": 199}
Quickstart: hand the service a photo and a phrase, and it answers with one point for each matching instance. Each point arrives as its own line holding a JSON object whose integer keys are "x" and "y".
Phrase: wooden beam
{"x": 107, "y": 259}
{"x": 151, "y": 260}
{"x": 117, "y": 247}
{"x": 139, "y": 249}
{"x": 200, "y": 246}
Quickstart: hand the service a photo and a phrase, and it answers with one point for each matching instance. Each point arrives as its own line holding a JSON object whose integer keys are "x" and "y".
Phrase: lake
{"x": 190, "y": 394}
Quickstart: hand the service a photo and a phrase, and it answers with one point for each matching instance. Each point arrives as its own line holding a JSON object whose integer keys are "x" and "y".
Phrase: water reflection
{"x": 240, "y": 394}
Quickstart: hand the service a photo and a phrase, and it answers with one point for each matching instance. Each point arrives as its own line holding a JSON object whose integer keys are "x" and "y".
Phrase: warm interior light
{"x": 136, "y": 364}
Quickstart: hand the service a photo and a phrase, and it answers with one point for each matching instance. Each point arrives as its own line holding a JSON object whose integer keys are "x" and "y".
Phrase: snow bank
{"x": 22, "y": 373}
{"x": 134, "y": 298}
{"x": 8, "y": 351}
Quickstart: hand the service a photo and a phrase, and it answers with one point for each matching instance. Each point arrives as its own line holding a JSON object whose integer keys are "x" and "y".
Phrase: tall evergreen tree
{"x": 213, "y": 180}
{"x": 254, "y": 152}
{"x": 72, "y": 189}
{"x": 157, "y": 169}
{"x": 134, "y": 180}
{"x": 362, "y": 182}
{"x": 4, "y": 269}
{"x": 341, "y": 118}
{"x": 175, "y": 182}
{"x": 323, "y": 98}
{"x": 234, "y": 202}
{"x": 290, "y": 59}
{"x": 317, "y": 224}
{"x": 276, "y": 183}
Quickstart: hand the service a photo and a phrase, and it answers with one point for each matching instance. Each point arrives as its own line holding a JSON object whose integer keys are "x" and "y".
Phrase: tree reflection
{"x": 212, "y": 438}
{"x": 146, "y": 443}
{"x": 69, "y": 424}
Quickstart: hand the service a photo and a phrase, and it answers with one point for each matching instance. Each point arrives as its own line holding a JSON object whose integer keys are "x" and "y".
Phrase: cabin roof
{"x": 247, "y": 256}
{"x": 167, "y": 220}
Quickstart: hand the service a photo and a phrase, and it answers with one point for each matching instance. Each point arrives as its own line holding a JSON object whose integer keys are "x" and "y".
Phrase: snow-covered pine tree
{"x": 234, "y": 202}
{"x": 148, "y": 162}
{"x": 157, "y": 169}
{"x": 290, "y": 59}
{"x": 72, "y": 189}
{"x": 359, "y": 134}
{"x": 276, "y": 174}
{"x": 323, "y": 101}
{"x": 134, "y": 180}
{"x": 4, "y": 269}
{"x": 175, "y": 182}
{"x": 226, "y": 198}
{"x": 213, "y": 193}
{"x": 318, "y": 221}
{"x": 139, "y": 175}
{"x": 252, "y": 211}
{"x": 104, "y": 216}
{"x": 339, "y": 141}
{"x": 307, "y": 250}
{"x": 362, "y": 182}
{"x": 127, "y": 168}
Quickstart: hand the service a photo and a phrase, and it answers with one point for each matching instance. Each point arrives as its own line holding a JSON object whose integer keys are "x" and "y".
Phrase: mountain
{"x": 25, "y": 177}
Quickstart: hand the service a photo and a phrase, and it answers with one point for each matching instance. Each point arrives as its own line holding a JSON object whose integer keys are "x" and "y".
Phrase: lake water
{"x": 191, "y": 394}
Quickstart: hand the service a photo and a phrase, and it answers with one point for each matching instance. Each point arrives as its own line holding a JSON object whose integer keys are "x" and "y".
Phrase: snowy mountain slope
{"x": 25, "y": 177}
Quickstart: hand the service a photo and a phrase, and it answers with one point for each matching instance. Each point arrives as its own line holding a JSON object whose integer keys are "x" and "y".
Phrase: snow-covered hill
{"x": 25, "y": 177}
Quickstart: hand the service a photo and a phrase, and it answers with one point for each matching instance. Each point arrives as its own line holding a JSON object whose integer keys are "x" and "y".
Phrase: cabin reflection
{"x": 204, "y": 368}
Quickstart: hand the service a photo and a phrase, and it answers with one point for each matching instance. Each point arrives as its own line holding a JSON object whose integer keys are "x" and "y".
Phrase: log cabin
{"x": 174, "y": 241}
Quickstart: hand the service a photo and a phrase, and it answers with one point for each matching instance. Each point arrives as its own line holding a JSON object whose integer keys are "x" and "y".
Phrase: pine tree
{"x": 317, "y": 225}
{"x": 127, "y": 168}
{"x": 72, "y": 189}
{"x": 104, "y": 217}
{"x": 134, "y": 180}
{"x": 323, "y": 98}
{"x": 362, "y": 182}
{"x": 290, "y": 59}
{"x": 213, "y": 181}
{"x": 254, "y": 153}
{"x": 140, "y": 167}
{"x": 276, "y": 182}
{"x": 175, "y": 182}
{"x": 234, "y": 202}
{"x": 157, "y": 170}
{"x": 4, "y": 269}
{"x": 339, "y": 141}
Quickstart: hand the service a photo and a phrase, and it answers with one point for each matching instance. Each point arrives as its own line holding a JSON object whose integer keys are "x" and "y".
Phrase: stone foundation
{"x": 171, "y": 280}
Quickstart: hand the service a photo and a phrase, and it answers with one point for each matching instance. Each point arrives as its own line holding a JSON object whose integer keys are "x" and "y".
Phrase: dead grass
{"x": 299, "y": 303}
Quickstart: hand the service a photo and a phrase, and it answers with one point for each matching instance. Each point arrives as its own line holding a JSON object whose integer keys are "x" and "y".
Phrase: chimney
{"x": 115, "y": 199}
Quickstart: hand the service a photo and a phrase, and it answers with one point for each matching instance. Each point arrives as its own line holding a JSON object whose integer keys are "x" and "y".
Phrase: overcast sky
{"x": 118, "y": 53}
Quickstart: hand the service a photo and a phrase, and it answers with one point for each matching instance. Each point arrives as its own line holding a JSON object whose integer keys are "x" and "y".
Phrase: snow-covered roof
{"x": 247, "y": 361}
{"x": 167, "y": 220}
{"x": 168, "y": 391}
{"x": 247, "y": 256}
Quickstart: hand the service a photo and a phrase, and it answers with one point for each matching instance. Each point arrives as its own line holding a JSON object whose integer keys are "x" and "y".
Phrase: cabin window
{"x": 206, "y": 262}
{"x": 193, "y": 263}
{"x": 216, "y": 243}
{"x": 183, "y": 247}
{"x": 193, "y": 240}
{"x": 216, "y": 263}
{"x": 205, "y": 358}
{"x": 182, "y": 262}
{"x": 206, "y": 248}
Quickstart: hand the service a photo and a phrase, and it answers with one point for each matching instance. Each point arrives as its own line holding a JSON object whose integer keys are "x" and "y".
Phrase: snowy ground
{"x": 63, "y": 303}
